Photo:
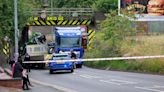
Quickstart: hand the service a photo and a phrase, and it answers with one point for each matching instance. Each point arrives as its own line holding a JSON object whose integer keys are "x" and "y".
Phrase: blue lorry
{"x": 70, "y": 38}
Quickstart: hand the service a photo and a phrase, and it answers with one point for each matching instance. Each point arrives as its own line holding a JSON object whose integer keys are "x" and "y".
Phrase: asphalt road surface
{"x": 94, "y": 80}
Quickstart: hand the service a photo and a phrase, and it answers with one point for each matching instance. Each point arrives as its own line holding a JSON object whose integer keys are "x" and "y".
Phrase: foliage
{"x": 6, "y": 19}
{"x": 7, "y": 16}
{"x": 118, "y": 37}
{"x": 105, "y": 5}
{"x": 108, "y": 40}
{"x": 73, "y": 3}
{"x": 100, "y": 5}
{"x": 145, "y": 65}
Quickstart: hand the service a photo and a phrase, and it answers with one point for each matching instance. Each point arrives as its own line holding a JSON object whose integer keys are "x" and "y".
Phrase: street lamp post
{"x": 16, "y": 30}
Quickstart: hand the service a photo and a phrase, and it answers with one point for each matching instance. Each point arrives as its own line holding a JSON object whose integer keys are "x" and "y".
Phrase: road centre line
{"x": 156, "y": 86}
{"x": 149, "y": 88}
{"x": 84, "y": 76}
{"x": 118, "y": 82}
{"x": 123, "y": 81}
{"x": 105, "y": 81}
{"x": 89, "y": 76}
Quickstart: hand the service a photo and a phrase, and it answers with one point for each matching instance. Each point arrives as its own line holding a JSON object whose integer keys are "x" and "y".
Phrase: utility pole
{"x": 16, "y": 54}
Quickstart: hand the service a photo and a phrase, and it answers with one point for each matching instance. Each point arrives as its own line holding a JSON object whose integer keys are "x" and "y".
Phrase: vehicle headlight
{"x": 69, "y": 63}
{"x": 52, "y": 63}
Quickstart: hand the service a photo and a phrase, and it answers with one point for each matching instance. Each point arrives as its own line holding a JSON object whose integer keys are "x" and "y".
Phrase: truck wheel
{"x": 51, "y": 71}
{"x": 79, "y": 65}
{"x": 41, "y": 66}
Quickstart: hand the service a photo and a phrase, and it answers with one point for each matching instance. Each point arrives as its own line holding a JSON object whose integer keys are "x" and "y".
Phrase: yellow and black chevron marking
{"x": 64, "y": 22}
{"x": 91, "y": 35}
{"x": 52, "y": 22}
{"x": 6, "y": 49}
{"x": 75, "y": 22}
{"x": 58, "y": 21}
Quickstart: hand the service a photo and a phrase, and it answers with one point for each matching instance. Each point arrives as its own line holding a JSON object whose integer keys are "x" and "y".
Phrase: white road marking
{"x": 110, "y": 82}
{"x": 118, "y": 82}
{"x": 84, "y": 76}
{"x": 53, "y": 86}
{"x": 89, "y": 76}
{"x": 156, "y": 86}
{"x": 151, "y": 88}
{"x": 73, "y": 73}
{"x": 123, "y": 81}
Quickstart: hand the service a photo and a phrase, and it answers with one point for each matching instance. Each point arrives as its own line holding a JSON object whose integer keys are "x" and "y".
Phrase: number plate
{"x": 60, "y": 62}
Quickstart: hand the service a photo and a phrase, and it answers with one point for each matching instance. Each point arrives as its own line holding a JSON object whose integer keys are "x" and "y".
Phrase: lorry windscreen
{"x": 69, "y": 42}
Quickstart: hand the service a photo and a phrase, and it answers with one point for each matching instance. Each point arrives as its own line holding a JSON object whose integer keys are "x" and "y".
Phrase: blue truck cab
{"x": 68, "y": 38}
{"x": 59, "y": 61}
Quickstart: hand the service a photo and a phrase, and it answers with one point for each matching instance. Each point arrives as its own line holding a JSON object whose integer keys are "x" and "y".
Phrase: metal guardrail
{"x": 62, "y": 12}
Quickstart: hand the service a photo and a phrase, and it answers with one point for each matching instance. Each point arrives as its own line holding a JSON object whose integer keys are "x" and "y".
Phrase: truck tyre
{"x": 79, "y": 65}
{"x": 41, "y": 66}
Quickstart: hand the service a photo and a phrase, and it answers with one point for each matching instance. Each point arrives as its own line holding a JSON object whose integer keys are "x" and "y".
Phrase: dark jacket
{"x": 11, "y": 62}
{"x": 73, "y": 55}
{"x": 17, "y": 70}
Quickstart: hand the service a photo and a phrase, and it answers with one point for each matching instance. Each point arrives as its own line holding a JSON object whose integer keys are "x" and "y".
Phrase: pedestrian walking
{"x": 26, "y": 80}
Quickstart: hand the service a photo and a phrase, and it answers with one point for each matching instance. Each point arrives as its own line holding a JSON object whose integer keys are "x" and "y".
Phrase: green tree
{"x": 7, "y": 16}
{"x": 100, "y": 5}
{"x": 105, "y": 5}
{"x": 108, "y": 40}
{"x": 73, "y": 3}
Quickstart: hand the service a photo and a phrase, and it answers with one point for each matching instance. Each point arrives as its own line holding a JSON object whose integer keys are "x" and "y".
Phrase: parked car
{"x": 59, "y": 62}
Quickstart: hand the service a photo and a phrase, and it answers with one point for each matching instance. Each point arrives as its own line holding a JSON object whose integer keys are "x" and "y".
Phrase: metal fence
{"x": 68, "y": 12}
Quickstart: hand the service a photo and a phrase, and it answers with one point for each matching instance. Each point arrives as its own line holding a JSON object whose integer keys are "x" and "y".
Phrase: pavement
{"x": 35, "y": 88}
{"x": 4, "y": 74}
{"x": 37, "y": 85}
{"x": 6, "y": 89}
